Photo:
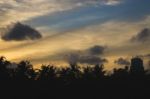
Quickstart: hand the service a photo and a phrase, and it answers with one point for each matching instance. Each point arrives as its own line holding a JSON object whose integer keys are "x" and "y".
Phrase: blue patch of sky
{"x": 130, "y": 10}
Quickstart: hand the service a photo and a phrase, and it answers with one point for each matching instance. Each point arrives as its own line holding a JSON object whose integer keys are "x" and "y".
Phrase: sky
{"x": 108, "y": 32}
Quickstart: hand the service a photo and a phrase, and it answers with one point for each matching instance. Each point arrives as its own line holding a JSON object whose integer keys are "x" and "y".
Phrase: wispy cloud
{"x": 20, "y": 10}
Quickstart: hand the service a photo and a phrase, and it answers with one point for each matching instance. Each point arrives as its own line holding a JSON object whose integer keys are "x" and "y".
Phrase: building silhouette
{"x": 137, "y": 66}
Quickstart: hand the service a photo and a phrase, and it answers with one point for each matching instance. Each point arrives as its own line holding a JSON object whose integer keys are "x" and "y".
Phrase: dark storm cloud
{"x": 97, "y": 50}
{"x": 142, "y": 36}
{"x": 20, "y": 32}
{"x": 122, "y": 61}
{"x": 87, "y": 59}
{"x": 90, "y": 56}
{"x": 92, "y": 60}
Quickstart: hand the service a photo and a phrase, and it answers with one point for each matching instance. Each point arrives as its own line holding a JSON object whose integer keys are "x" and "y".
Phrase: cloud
{"x": 96, "y": 50}
{"x": 19, "y": 32}
{"x": 122, "y": 61}
{"x": 89, "y": 2}
{"x": 148, "y": 55}
{"x": 89, "y": 56}
{"x": 80, "y": 17}
{"x": 142, "y": 36}
{"x": 28, "y": 9}
{"x": 63, "y": 57}
{"x": 145, "y": 56}
{"x": 20, "y": 10}
{"x": 75, "y": 58}
{"x": 92, "y": 60}
{"x": 112, "y": 2}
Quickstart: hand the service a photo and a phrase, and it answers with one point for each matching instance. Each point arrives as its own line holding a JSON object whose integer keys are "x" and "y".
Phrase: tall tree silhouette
{"x": 4, "y": 74}
{"x": 121, "y": 73}
{"x": 25, "y": 71}
{"x": 47, "y": 73}
{"x": 99, "y": 71}
{"x": 70, "y": 74}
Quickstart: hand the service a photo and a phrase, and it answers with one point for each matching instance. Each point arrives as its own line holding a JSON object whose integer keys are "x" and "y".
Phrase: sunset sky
{"x": 83, "y": 31}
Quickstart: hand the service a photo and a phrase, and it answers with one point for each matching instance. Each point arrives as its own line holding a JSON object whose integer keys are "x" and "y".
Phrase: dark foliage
{"x": 73, "y": 82}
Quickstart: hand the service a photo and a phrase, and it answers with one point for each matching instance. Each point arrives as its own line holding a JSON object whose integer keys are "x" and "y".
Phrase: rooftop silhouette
{"x": 137, "y": 66}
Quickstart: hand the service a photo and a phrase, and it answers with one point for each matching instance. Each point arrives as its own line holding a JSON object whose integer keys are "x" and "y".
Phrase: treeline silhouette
{"x": 89, "y": 82}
